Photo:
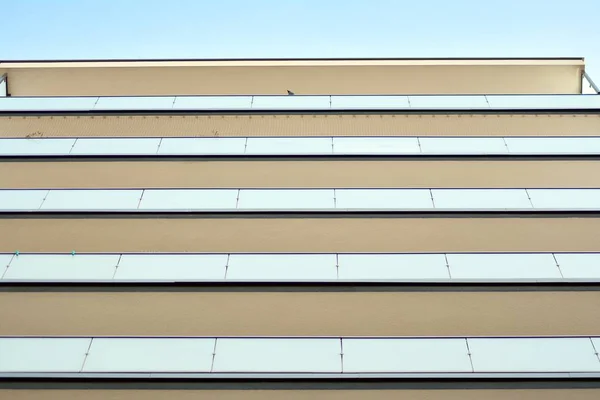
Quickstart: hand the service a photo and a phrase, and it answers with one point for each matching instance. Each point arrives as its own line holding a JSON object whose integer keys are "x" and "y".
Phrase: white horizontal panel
{"x": 189, "y": 199}
{"x": 480, "y": 199}
{"x": 179, "y": 267}
{"x": 462, "y": 145}
{"x": 62, "y": 267}
{"x": 92, "y": 200}
{"x": 448, "y": 102}
{"x": 533, "y": 355}
{"x": 375, "y": 145}
{"x": 392, "y": 266}
{"x": 202, "y": 146}
{"x": 275, "y": 267}
{"x": 503, "y": 266}
{"x": 123, "y": 146}
{"x": 291, "y": 102}
{"x": 42, "y": 354}
{"x": 150, "y": 355}
{"x": 579, "y": 265}
{"x": 286, "y": 199}
{"x": 556, "y": 145}
{"x": 369, "y": 102}
{"x": 134, "y": 103}
{"x": 21, "y": 199}
{"x": 47, "y": 103}
{"x": 289, "y": 146}
{"x": 565, "y": 199}
{"x": 35, "y": 146}
{"x": 544, "y": 101}
{"x": 383, "y": 199}
{"x": 277, "y": 355}
{"x": 406, "y": 355}
{"x": 212, "y": 102}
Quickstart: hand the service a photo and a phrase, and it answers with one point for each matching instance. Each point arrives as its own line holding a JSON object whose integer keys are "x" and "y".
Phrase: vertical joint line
{"x": 469, "y": 354}
{"x": 486, "y": 100}
{"x": 7, "y": 266}
{"x": 334, "y": 200}
{"x": 557, "y": 265}
{"x": 117, "y": 266}
{"x": 337, "y": 265}
{"x": 96, "y": 102}
{"x": 226, "y": 265}
{"x": 408, "y": 100}
{"x": 86, "y": 354}
{"x": 419, "y": 144}
{"x": 342, "y": 355}
{"x": 44, "y": 199}
{"x": 332, "y": 145}
{"x": 595, "y": 350}
{"x": 214, "y": 354}
{"x": 246, "y": 145}
{"x": 237, "y": 198}
{"x": 448, "y": 265}
{"x": 529, "y": 198}
{"x": 251, "y": 101}
{"x": 505, "y": 144}
{"x": 141, "y": 197}
{"x": 159, "y": 143}
{"x": 73, "y": 145}
{"x": 432, "y": 199}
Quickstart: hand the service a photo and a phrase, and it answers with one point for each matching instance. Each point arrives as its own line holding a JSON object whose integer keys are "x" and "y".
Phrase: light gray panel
{"x": 92, "y": 200}
{"x": 21, "y": 199}
{"x": 448, "y": 102}
{"x": 286, "y": 145}
{"x": 42, "y": 354}
{"x": 35, "y": 146}
{"x": 406, "y": 355}
{"x": 383, "y": 199}
{"x": 179, "y": 267}
{"x": 47, "y": 103}
{"x": 392, "y": 266}
{"x": 150, "y": 355}
{"x": 122, "y": 146}
{"x": 135, "y": 103}
{"x": 503, "y": 266}
{"x": 277, "y": 355}
{"x": 202, "y": 146}
{"x": 501, "y": 199}
{"x": 212, "y": 103}
{"x": 291, "y": 102}
{"x": 275, "y": 199}
{"x": 458, "y": 145}
{"x": 533, "y": 355}
{"x": 579, "y": 265}
{"x": 189, "y": 199}
{"x": 41, "y": 267}
{"x": 553, "y": 145}
{"x": 282, "y": 267}
{"x": 366, "y": 145}
{"x": 565, "y": 199}
{"x": 544, "y": 101}
{"x": 369, "y": 102}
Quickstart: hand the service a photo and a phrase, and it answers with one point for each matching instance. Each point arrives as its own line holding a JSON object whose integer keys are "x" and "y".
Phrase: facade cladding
{"x": 323, "y": 229}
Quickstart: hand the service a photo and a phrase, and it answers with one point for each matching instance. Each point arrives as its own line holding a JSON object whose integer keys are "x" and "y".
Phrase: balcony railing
{"x": 352, "y": 268}
{"x": 300, "y": 146}
{"x": 298, "y": 200}
{"x": 298, "y": 103}
{"x": 326, "y": 357}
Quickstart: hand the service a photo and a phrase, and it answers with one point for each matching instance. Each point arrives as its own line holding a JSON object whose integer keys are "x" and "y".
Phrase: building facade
{"x": 421, "y": 229}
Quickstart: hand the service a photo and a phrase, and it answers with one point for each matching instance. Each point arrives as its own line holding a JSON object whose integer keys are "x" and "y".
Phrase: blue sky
{"x": 59, "y": 29}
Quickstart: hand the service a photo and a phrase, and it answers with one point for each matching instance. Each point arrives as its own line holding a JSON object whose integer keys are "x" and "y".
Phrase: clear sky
{"x": 72, "y": 29}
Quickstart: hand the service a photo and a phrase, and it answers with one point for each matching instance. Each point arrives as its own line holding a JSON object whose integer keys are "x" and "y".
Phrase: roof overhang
{"x": 302, "y": 76}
